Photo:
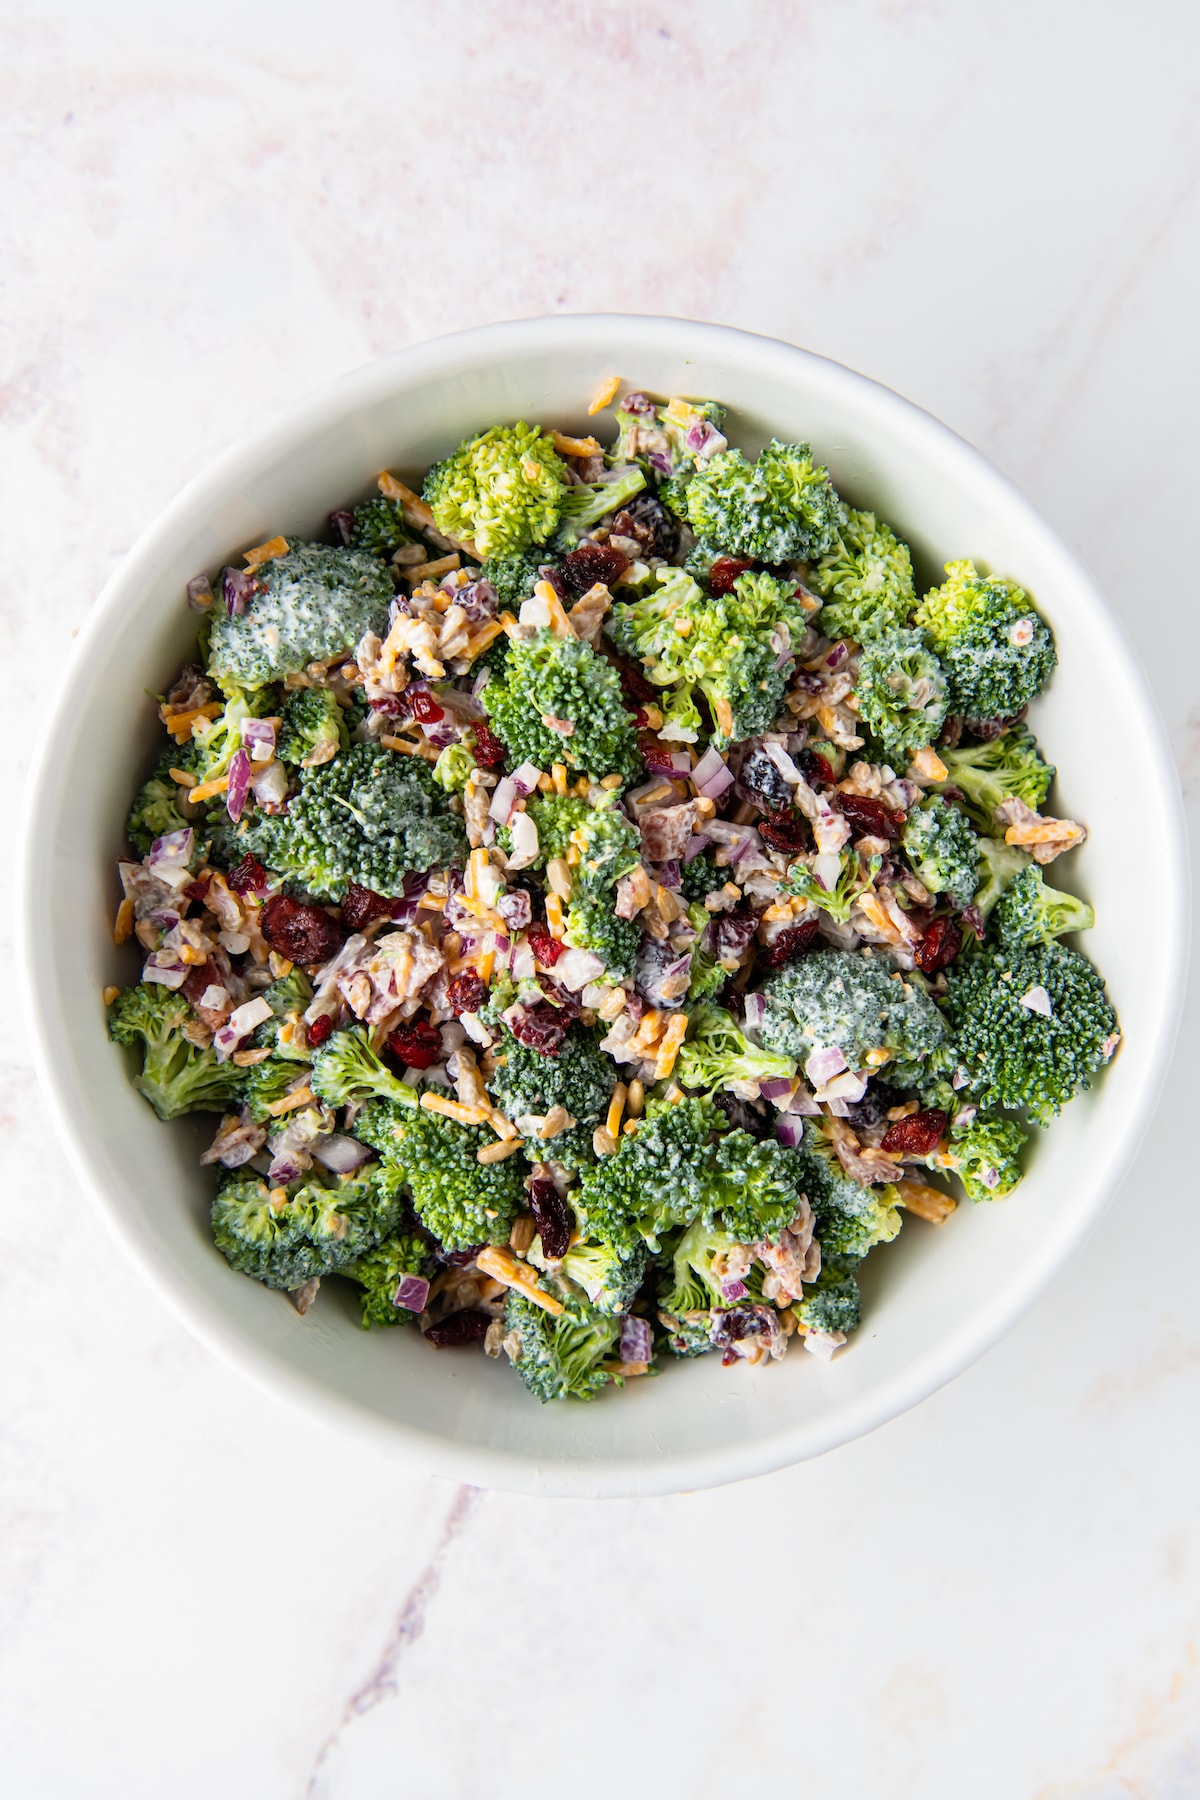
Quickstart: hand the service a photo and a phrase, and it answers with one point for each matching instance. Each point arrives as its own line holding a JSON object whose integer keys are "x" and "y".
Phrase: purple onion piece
{"x": 734, "y": 1290}
{"x": 341, "y": 524}
{"x": 199, "y": 593}
{"x": 776, "y": 1089}
{"x": 340, "y": 1154}
{"x": 239, "y": 785}
{"x": 238, "y": 588}
{"x": 637, "y": 1340}
{"x": 668, "y": 875}
{"x": 756, "y": 1006}
{"x": 699, "y": 841}
{"x": 715, "y": 786}
{"x": 412, "y": 1293}
{"x": 824, "y": 1063}
{"x": 710, "y": 764}
{"x": 789, "y": 1129}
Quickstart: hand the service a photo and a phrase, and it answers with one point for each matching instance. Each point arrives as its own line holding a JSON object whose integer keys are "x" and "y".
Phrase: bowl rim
{"x": 616, "y": 1476}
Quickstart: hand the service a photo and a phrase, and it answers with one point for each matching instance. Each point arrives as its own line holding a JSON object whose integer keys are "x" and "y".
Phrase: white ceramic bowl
{"x": 935, "y": 1299}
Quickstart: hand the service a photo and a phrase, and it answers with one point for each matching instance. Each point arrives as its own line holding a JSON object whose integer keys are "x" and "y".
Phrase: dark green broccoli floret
{"x": 856, "y": 875}
{"x": 593, "y": 925}
{"x": 310, "y": 605}
{"x": 585, "y": 504}
{"x": 380, "y": 527}
{"x": 943, "y": 850}
{"x": 851, "y": 1218}
{"x": 459, "y": 1200}
{"x": 347, "y": 1072}
{"x": 1029, "y": 912}
{"x": 997, "y": 650}
{"x": 609, "y": 847}
{"x": 1006, "y": 768}
{"x": 999, "y": 864}
{"x": 716, "y": 1054}
{"x": 984, "y": 1155}
{"x": 833, "y": 1303}
{"x": 320, "y": 1227}
{"x": 503, "y": 489}
{"x": 380, "y": 1272}
{"x": 610, "y": 1277}
{"x": 313, "y": 729}
{"x": 776, "y": 510}
{"x": 560, "y": 1358}
{"x": 580, "y": 1077}
{"x": 556, "y": 817}
{"x": 866, "y": 579}
{"x": 513, "y": 578}
{"x": 287, "y": 997}
{"x": 856, "y": 1003}
{"x": 369, "y": 816}
{"x": 156, "y": 810}
{"x": 701, "y": 876}
{"x": 562, "y": 678}
{"x": 1014, "y": 1052}
{"x": 176, "y": 1075}
{"x": 266, "y": 1082}
{"x": 901, "y": 693}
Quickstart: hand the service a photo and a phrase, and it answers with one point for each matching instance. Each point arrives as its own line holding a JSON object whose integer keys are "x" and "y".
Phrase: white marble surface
{"x": 205, "y": 211}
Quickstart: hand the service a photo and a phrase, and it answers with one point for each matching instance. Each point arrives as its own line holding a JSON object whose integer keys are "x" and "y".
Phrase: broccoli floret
{"x": 513, "y": 578}
{"x": 155, "y": 810}
{"x": 707, "y": 975}
{"x": 215, "y": 742}
{"x": 562, "y": 678}
{"x": 716, "y": 1055}
{"x": 380, "y": 1272}
{"x": 347, "y": 1072}
{"x": 1014, "y": 1052}
{"x": 556, "y": 817}
{"x": 580, "y": 1077}
{"x": 984, "y": 1155}
{"x": 287, "y": 997}
{"x": 585, "y": 504}
{"x": 176, "y": 1076}
{"x": 856, "y": 1003}
{"x": 692, "y": 1284}
{"x": 724, "y": 647}
{"x": 609, "y": 1276}
{"x": 503, "y": 489}
{"x": 997, "y": 650}
{"x": 943, "y": 850}
{"x": 369, "y": 816}
{"x": 851, "y": 1218}
{"x": 866, "y": 579}
{"x": 380, "y": 527}
{"x": 856, "y": 875}
{"x": 309, "y": 605}
{"x": 901, "y": 693}
{"x": 778, "y": 509}
{"x": 609, "y": 847}
{"x": 320, "y": 1227}
{"x": 560, "y": 1358}
{"x": 701, "y": 876}
{"x": 999, "y": 864}
{"x": 452, "y": 770}
{"x": 313, "y": 729}
{"x": 833, "y": 1303}
{"x": 1029, "y": 912}
{"x": 667, "y": 439}
{"x": 593, "y": 925}
{"x": 266, "y": 1082}
{"x": 1008, "y": 767}
{"x": 459, "y": 1200}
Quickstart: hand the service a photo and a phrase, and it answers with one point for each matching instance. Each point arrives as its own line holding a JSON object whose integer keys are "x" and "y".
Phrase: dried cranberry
{"x": 784, "y": 831}
{"x": 540, "y": 1027}
{"x": 818, "y": 771}
{"x": 198, "y": 890}
{"x": 917, "y": 1135}
{"x": 341, "y": 524}
{"x": 417, "y": 1044}
{"x": 742, "y": 1322}
{"x": 248, "y": 877}
{"x": 591, "y": 563}
{"x": 422, "y": 705}
{"x": 791, "y": 944}
{"x": 952, "y": 730}
{"x": 319, "y": 1030}
{"x": 489, "y": 751}
{"x": 760, "y": 782}
{"x": 647, "y": 521}
{"x": 459, "y": 1328}
{"x": 551, "y": 1217}
{"x": 361, "y": 905}
{"x": 545, "y": 948}
{"x": 732, "y": 932}
{"x": 636, "y": 691}
{"x": 871, "y": 818}
{"x": 466, "y": 993}
{"x": 725, "y": 572}
{"x": 989, "y": 729}
{"x": 939, "y": 946}
{"x": 300, "y": 931}
{"x": 744, "y": 1115}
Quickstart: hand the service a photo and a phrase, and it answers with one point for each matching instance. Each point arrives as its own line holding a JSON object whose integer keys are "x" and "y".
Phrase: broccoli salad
{"x": 599, "y": 899}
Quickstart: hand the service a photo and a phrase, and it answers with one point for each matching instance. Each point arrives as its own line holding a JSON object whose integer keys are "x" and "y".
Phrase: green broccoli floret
{"x": 309, "y": 605}
{"x": 586, "y": 503}
{"x": 513, "y": 578}
{"x": 984, "y": 1155}
{"x": 580, "y": 1077}
{"x": 609, "y": 847}
{"x": 503, "y": 489}
{"x": 701, "y": 876}
{"x": 667, "y": 439}
{"x": 901, "y": 693}
{"x": 287, "y": 997}
{"x": 943, "y": 850}
{"x": 1014, "y": 1052}
{"x": 380, "y": 527}
{"x": 716, "y": 1054}
{"x": 266, "y": 1082}
{"x": 776, "y": 510}
{"x": 321, "y": 1227}
{"x": 560, "y": 1358}
{"x": 347, "y": 1072}
{"x": 215, "y": 742}
{"x": 155, "y": 810}
{"x": 997, "y": 650}
{"x": 313, "y": 729}
{"x": 593, "y": 925}
{"x": 999, "y": 864}
{"x": 851, "y": 1218}
{"x": 723, "y": 647}
{"x": 690, "y": 1284}
{"x": 1008, "y": 767}
{"x": 833, "y": 1303}
{"x": 562, "y": 678}
{"x": 707, "y": 975}
{"x": 459, "y": 1200}
{"x": 556, "y": 817}
{"x": 609, "y": 1276}
{"x": 1029, "y": 912}
{"x": 856, "y": 875}
{"x": 452, "y": 770}
{"x": 380, "y": 1272}
{"x": 866, "y": 580}
{"x": 176, "y": 1076}
{"x": 856, "y": 1003}
{"x": 369, "y": 816}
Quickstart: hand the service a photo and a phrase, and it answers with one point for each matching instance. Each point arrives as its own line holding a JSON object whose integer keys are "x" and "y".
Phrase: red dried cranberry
{"x": 198, "y": 890}
{"x": 732, "y": 932}
{"x": 300, "y": 931}
{"x": 341, "y": 525}
{"x": 319, "y": 1030}
{"x": 545, "y": 948}
{"x": 939, "y": 946}
{"x": 361, "y": 905}
{"x": 489, "y": 751}
{"x": 818, "y": 771}
{"x": 784, "y": 831}
{"x": 248, "y": 877}
{"x": 871, "y": 818}
{"x": 417, "y": 1044}
{"x": 392, "y": 706}
{"x": 551, "y": 1217}
{"x": 466, "y": 993}
{"x": 791, "y": 944}
{"x": 459, "y": 1328}
{"x": 561, "y": 999}
{"x": 636, "y": 691}
{"x": 423, "y": 706}
{"x": 917, "y": 1135}
{"x": 591, "y": 563}
{"x": 540, "y": 1028}
{"x": 724, "y": 573}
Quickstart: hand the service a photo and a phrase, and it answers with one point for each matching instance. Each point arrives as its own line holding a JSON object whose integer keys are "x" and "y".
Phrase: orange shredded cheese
{"x": 603, "y": 394}
{"x": 503, "y": 1267}
{"x": 123, "y": 924}
{"x": 453, "y": 1109}
{"x": 262, "y": 553}
{"x": 302, "y": 1096}
{"x": 573, "y": 446}
{"x": 208, "y": 790}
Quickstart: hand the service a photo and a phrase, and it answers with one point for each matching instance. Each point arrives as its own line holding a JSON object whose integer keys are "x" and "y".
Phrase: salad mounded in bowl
{"x": 600, "y": 899}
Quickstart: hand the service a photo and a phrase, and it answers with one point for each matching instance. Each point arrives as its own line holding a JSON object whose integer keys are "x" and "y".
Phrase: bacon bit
{"x": 302, "y": 1096}
{"x": 453, "y": 1109}
{"x": 503, "y": 1267}
{"x": 426, "y": 571}
{"x": 603, "y": 394}
{"x": 109, "y": 994}
{"x": 182, "y": 777}
{"x": 123, "y": 924}
{"x": 927, "y": 1203}
{"x": 573, "y": 446}
{"x": 208, "y": 790}
{"x": 262, "y": 553}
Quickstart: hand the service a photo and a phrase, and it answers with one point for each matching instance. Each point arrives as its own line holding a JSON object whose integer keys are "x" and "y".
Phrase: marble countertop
{"x": 208, "y": 211}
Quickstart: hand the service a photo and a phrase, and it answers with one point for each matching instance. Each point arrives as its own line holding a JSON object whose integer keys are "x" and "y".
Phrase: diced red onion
{"x": 710, "y": 764}
{"x": 238, "y": 587}
{"x": 837, "y": 655}
{"x": 802, "y": 1103}
{"x": 826, "y": 868}
{"x": 523, "y": 965}
{"x": 199, "y": 593}
{"x": 575, "y": 968}
{"x": 789, "y": 1130}
{"x": 825, "y": 1062}
{"x": 442, "y": 734}
{"x": 259, "y": 734}
{"x": 214, "y": 997}
{"x": 756, "y": 1006}
{"x": 516, "y": 909}
{"x": 738, "y": 850}
{"x": 412, "y": 1294}
{"x": 239, "y": 785}
{"x": 715, "y": 786}
{"x": 838, "y": 1108}
{"x": 698, "y": 841}
{"x": 734, "y": 1290}
{"x": 503, "y": 800}
{"x": 637, "y": 1340}
{"x": 480, "y": 682}
{"x": 241, "y": 1022}
{"x": 169, "y": 975}
{"x": 779, "y": 1089}
{"x": 526, "y": 778}
{"x": 848, "y": 1086}
{"x": 669, "y": 875}
{"x": 340, "y": 1154}
{"x": 169, "y": 857}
